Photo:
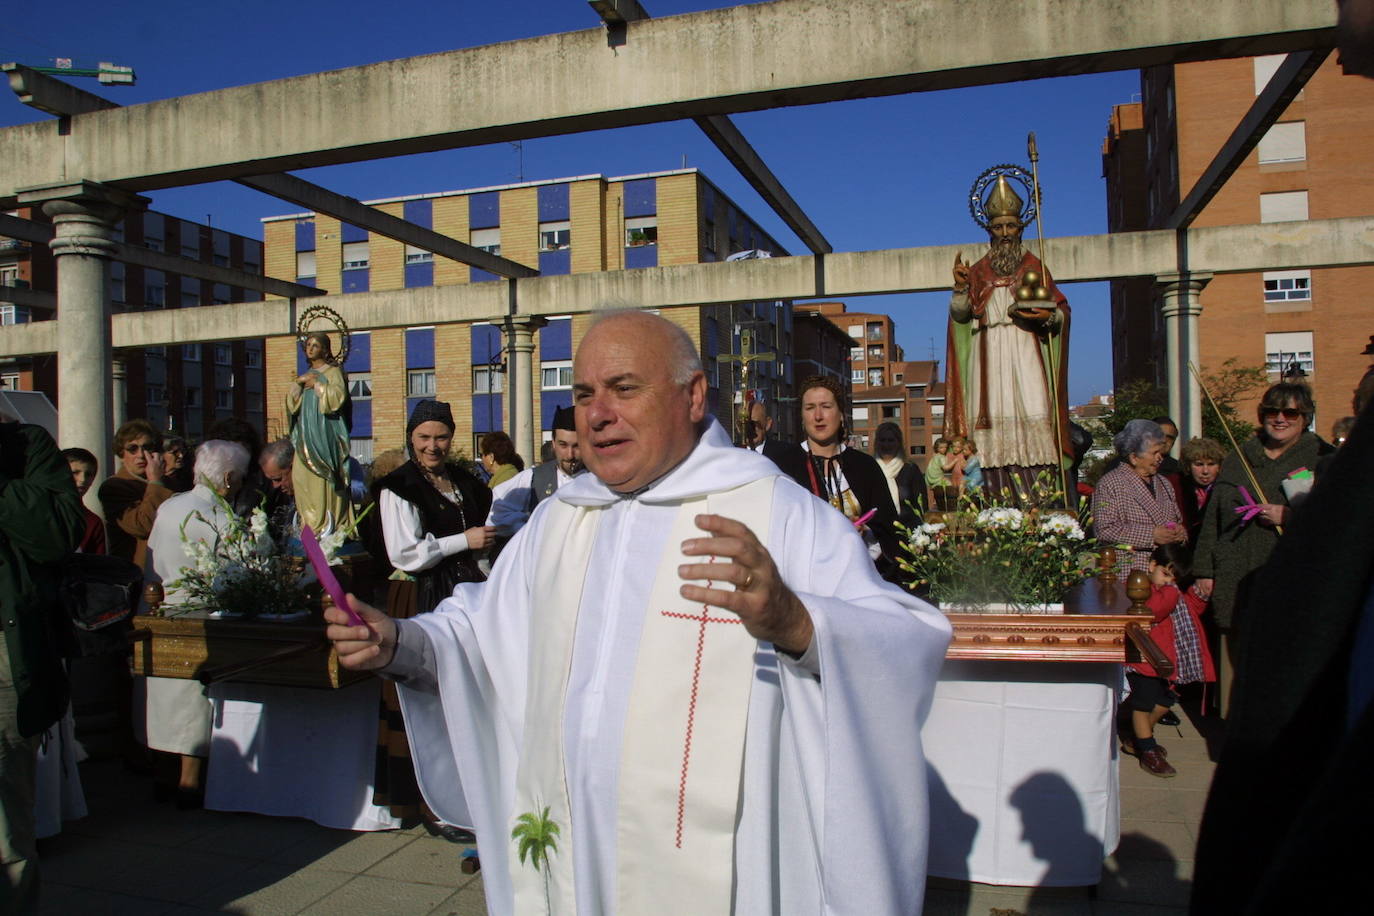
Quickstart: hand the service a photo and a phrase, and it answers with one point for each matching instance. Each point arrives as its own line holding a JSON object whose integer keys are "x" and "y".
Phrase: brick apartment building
{"x": 183, "y": 389}
{"x": 1310, "y": 164}
{"x": 560, "y": 226}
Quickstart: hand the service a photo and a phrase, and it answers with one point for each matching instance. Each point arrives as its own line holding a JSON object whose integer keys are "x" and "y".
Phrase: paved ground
{"x": 135, "y": 856}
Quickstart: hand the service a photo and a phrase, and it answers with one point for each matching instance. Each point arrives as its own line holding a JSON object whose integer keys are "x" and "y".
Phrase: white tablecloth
{"x": 297, "y": 752}
{"x": 1023, "y": 773}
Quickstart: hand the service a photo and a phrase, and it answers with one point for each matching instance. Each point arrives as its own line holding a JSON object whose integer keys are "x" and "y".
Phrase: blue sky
{"x": 872, "y": 174}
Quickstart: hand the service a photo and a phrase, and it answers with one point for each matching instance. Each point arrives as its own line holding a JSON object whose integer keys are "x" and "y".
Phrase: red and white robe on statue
{"x": 688, "y": 767}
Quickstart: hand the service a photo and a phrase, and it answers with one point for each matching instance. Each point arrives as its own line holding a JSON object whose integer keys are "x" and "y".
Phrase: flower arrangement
{"x": 983, "y": 554}
{"x": 240, "y": 572}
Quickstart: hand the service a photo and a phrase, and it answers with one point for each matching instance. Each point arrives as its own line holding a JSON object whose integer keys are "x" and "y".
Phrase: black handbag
{"x": 99, "y": 594}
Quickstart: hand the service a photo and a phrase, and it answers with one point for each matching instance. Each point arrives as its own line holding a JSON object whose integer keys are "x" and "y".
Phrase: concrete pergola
{"x": 88, "y": 168}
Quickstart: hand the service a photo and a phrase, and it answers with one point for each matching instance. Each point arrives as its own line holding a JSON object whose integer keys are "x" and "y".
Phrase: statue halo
{"x": 988, "y": 177}
{"x": 325, "y": 313}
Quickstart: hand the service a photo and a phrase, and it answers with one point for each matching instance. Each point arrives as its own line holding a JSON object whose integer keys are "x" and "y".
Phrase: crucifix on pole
{"x": 746, "y": 357}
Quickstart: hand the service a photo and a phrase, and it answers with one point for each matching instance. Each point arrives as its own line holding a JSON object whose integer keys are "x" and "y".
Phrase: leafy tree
{"x": 1229, "y": 384}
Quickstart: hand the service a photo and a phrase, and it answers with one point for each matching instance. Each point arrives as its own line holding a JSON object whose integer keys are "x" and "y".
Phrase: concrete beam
{"x": 1297, "y": 68}
{"x": 26, "y": 230}
{"x": 29, "y": 298}
{"x": 1215, "y": 249}
{"x": 744, "y": 58}
{"x": 175, "y": 264}
{"x": 287, "y": 187}
{"x": 721, "y": 131}
{"x": 322, "y": 200}
{"x": 47, "y": 93}
{"x": 42, "y": 233}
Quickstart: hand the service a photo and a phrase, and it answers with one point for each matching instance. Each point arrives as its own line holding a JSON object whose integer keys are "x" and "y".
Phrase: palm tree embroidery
{"x": 537, "y": 833}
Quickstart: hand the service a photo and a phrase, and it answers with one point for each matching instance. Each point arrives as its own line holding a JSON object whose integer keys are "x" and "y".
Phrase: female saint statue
{"x": 315, "y": 406}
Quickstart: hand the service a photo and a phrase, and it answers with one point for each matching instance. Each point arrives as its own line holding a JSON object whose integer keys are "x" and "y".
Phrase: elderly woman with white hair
{"x": 1134, "y": 506}
{"x": 177, "y": 712}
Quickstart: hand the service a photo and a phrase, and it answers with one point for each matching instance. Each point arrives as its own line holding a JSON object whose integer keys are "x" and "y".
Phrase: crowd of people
{"x": 1201, "y": 527}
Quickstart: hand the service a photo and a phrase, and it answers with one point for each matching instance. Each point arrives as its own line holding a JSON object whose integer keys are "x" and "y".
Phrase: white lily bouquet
{"x": 239, "y": 572}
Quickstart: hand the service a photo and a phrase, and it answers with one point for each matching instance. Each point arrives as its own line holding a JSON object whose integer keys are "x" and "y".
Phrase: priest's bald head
{"x": 640, "y": 398}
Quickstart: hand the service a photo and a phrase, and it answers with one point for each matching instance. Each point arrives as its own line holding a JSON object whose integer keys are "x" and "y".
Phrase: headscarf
{"x": 425, "y": 411}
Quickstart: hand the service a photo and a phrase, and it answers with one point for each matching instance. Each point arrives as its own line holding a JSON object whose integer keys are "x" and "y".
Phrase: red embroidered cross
{"x": 702, "y": 619}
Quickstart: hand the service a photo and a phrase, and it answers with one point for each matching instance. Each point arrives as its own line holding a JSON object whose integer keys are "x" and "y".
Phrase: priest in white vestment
{"x": 685, "y": 689}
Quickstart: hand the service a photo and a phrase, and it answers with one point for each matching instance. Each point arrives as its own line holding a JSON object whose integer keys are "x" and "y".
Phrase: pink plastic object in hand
{"x": 863, "y": 519}
{"x": 326, "y": 575}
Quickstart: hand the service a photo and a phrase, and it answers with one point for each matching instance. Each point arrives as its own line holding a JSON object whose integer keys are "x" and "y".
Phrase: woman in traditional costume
{"x": 848, "y": 479}
{"x": 433, "y": 513}
{"x": 316, "y": 406}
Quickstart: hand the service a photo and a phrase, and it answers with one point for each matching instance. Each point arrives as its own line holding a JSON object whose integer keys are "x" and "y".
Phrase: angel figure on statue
{"x": 316, "y": 406}
{"x": 1007, "y": 362}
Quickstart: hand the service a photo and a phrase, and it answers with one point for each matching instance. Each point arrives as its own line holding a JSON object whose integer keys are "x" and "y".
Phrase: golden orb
{"x": 1031, "y": 278}
{"x": 1042, "y": 293}
{"x": 1024, "y": 293}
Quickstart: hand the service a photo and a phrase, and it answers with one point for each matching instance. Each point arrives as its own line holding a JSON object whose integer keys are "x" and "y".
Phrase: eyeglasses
{"x": 1289, "y": 413}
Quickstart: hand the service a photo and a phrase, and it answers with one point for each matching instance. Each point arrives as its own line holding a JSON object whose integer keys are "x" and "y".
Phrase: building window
{"x": 875, "y": 353}
{"x": 556, "y": 376}
{"x": 555, "y": 236}
{"x": 918, "y": 422}
{"x": 916, "y": 391}
{"x": 360, "y": 386}
{"x": 305, "y": 264}
{"x": 189, "y": 300}
{"x": 420, "y": 382}
{"x": 224, "y": 355}
{"x": 152, "y": 244}
{"x": 224, "y": 400}
{"x": 875, "y": 377}
{"x": 486, "y": 380}
{"x": 489, "y": 240}
{"x": 155, "y": 297}
{"x": 856, "y": 376}
{"x": 418, "y": 255}
{"x": 1283, "y": 206}
{"x": 157, "y": 395}
{"x": 918, "y": 450}
{"x": 708, "y": 236}
{"x": 190, "y": 352}
{"x": 355, "y": 256}
{"x": 640, "y": 231}
{"x": 1287, "y": 285}
{"x": 1285, "y": 142}
{"x": 875, "y": 330}
{"x": 9, "y": 314}
{"x": 158, "y": 352}
{"x": 192, "y": 397}
{"x": 892, "y": 412}
{"x": 252, "y": 358}
{"x": 1285, "y": 350}
{"x": 856, "y": 331}
{"x": 856, "y": 354}
{"x": 860, "y": 413}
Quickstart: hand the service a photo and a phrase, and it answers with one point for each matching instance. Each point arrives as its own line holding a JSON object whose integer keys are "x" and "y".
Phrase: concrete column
{"x": 1180, "y": 306}
{"x": 519, "y": 392}
{"x": 119, "y": 377}
{"x": 84, "y": 215}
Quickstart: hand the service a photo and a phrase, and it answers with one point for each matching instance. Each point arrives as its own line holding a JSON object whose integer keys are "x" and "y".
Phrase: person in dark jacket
{"x": 40, "y": 524}
{"x": 1233, "y": 545}
{"x": 848, "y": 479}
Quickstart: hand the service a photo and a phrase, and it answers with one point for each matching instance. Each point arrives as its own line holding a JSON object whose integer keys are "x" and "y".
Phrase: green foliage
{"x": 999, "y": 553}
{"x": 536, "y": 834}
{"x": 1228, "y": 385}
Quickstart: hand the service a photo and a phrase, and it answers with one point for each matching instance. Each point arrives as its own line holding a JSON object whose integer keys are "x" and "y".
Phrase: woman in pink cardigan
{"x": 1134, "y": 506}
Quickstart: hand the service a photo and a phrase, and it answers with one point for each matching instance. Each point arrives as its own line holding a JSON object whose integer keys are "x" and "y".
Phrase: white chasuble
{"x": 566, "y": 682}
{"x": 682, "y": 752}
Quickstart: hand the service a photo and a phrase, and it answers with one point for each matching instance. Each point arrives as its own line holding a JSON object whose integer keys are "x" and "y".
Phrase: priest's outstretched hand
{"x": 361, "y": 648}
{"x": 769, "y": 609}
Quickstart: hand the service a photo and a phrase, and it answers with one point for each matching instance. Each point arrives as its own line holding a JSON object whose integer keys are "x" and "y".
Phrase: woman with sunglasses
{"x": 1241, "y": 526}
